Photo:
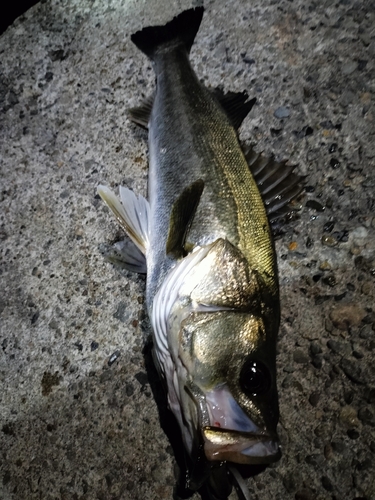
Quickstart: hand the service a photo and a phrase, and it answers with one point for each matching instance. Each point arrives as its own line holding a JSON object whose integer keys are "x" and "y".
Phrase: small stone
{"x": 348, "y": 417}
{"x": 129, "y": 389}
{"x": 347, "y": 315}
{"x": 352, "y": 370}
{"x": 114, "y": 357}
{"x": 328, "y": 325}
{"x": 315, "y": 205}
{"x": 142, "y": 378}
{"x": 94, "y": 345}
{"x": 326, "y": 483}
{"x": 314, "y": 398}
{"x": 290, "y": 382}
{"x": 365, "y": 264}
{"x": 330, "y": 280}
{"x": 328, "y": 452}
{"x": 357, "y": 353}
{"x": 325, "y": 266}
{"x": 316, "y": 459}
{"x": 338, "y": 446}
{"x": 289, "y": 482}
{"x": 334, "y": 162}
{"x": 300, "y": 357}
{"x": 370, "y": 395}
{"x": 328, "y": 240}
{"x": 328, "y": 226}
{"x": 341, "y": 236}
{"x": 366, "y": 416}
{"x": 366, "y": 332}
{"x": 359, "y": 235}
{"x": 348, "y": 397}
{"x": 323, "y": 430}
{"x": 349, "y": 67}
{"x": 353, "y": 434}
{"x": 282, "y": 112}
{"x": 304, "y": 494}
{"x": 317, "y": 361}
{"x": 339, "y": 347}
{"x": 367, "y": 288}
{"x": 53, "y": 324}
{"x": 315, "y": 348}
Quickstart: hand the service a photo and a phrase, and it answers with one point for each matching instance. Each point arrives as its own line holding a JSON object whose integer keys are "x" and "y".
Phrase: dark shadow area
{"x": 11, "y": 10}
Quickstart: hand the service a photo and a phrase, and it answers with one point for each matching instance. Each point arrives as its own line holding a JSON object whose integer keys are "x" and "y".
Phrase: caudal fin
{"x": 182, "y": 28}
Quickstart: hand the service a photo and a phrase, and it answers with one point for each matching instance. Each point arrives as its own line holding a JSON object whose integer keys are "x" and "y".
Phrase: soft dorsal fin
{"x": 132, "y": 214}
{"x": 235, "y": 104}
{"x": 182, "y": 215}
{"x": 140, "y": 115}
{"x": 278, "y": 186}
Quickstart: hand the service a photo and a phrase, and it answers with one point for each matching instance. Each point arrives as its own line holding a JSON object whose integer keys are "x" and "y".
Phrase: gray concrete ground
{"x": 78, "y": 420}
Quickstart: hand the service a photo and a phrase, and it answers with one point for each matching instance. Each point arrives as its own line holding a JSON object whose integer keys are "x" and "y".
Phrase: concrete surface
{"x": 78, "y": 420}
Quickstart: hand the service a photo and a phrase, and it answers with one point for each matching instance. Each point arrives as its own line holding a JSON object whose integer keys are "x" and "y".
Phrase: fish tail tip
{"x": 183, "y": 27}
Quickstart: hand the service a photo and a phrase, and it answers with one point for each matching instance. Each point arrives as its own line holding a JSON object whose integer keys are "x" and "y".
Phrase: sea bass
{"x": 204, "y": 239}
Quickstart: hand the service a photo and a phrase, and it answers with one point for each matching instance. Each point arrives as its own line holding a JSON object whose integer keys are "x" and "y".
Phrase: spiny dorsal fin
{"x": 235, "y": 104}
{"x": 277, "y": 184}
{"x": 182, "y": 215}
{"x": 140, "y": 115}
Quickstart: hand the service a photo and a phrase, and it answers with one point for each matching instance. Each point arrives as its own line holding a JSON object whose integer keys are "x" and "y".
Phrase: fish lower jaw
{"x": 239, "y": 448}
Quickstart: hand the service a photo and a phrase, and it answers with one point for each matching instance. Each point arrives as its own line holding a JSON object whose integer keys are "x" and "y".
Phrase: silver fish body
{"x": 212, "y": 288}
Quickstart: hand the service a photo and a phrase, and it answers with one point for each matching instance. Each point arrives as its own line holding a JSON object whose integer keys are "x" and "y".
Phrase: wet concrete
{"x": 78, "y": 419}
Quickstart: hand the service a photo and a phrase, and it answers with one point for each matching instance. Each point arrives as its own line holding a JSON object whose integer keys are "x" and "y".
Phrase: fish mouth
{"x": 229, "y": 434}
{"x": 239, "y": 447}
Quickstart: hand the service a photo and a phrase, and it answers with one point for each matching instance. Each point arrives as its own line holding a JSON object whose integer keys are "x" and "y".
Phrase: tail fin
{"x": 183, "y": 27}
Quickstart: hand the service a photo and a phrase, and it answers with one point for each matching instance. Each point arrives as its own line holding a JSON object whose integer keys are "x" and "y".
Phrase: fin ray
{"x": 132, "y": 214}
{"x": 277, "y": 184}
{"x": 235, "y": 104}
{"x": 140, "y": 115}
{"x": 126, "y": 254}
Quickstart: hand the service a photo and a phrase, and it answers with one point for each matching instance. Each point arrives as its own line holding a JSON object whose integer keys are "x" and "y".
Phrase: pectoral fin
{"x": 182, "y": 215}
{"x": 132, "y": 213}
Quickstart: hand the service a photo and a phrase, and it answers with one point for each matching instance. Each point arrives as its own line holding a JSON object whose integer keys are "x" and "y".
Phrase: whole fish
{"x": 204, "y": 239}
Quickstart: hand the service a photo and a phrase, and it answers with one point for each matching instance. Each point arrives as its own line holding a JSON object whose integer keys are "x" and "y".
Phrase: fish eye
{"x": 255, "y": 378}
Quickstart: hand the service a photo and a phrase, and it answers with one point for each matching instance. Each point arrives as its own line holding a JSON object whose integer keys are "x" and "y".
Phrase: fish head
{"x": 231, "y": 385}
{"x": 221, "y": 332}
